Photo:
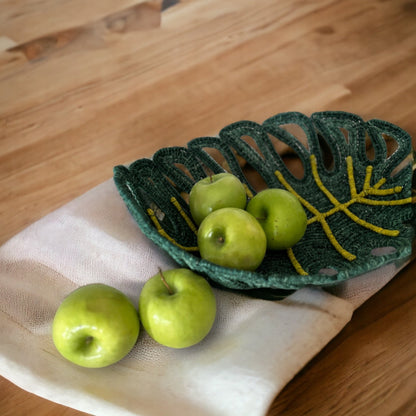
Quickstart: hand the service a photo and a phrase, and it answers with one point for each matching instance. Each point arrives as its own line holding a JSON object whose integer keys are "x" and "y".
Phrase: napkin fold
{"x": 254, "y": 349}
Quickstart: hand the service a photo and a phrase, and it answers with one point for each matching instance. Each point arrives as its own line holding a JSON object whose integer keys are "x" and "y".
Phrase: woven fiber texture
{"x": 359, "y": 205}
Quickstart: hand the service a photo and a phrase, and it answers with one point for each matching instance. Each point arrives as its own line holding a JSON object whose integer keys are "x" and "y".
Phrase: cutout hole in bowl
{"x": 184, "y": 170}
{"x": 383, "y": 251}
{"x": 298, "y": 132}
{"x": 408, "y": 160}
{"x": 369, "y": 148}
{"x": 345, "y": 134}
{"x": 252, "y": 143}
{"x": 326, "y": 153}
{"x": 218, "y": 157}
{"x": 391, "y": 144}
{"x": 328, "y": 271}
{"x": 289, "y": 157}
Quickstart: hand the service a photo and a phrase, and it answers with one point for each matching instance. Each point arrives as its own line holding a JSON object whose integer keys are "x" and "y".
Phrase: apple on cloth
{"x": 253, "y": 350}
{"x": 95, "y": 326}
{"x": 177, "y": 308}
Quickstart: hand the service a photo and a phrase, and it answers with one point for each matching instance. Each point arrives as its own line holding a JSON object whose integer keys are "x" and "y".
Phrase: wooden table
{"x": 88, "y": 85}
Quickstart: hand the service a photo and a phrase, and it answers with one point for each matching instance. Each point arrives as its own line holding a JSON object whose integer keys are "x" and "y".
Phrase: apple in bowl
{"x": 232, "y": 237}
{"x": 214, "y": 192}
{"x": 281, "y": 215}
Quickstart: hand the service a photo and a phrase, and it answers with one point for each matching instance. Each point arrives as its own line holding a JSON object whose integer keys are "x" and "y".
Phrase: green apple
{"x": 95, "y": 326}
{"x": 231, "y": 237}
{"x": 177, "y": 308}
{"x": 281, "y": 215}
{"x": 215, "y": 192}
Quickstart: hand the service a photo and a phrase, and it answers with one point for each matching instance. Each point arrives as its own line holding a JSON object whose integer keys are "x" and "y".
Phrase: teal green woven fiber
{"x": 151, "y": 183}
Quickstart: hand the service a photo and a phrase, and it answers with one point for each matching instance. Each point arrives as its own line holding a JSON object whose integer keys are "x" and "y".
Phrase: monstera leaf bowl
{"x": 353, "y": 177}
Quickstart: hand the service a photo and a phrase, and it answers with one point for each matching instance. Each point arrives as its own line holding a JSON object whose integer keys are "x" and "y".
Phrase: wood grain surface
{"x": 85, "y": 86}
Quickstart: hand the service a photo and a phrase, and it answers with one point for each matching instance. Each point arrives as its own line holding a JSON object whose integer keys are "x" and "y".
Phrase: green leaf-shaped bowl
{"x": 354, "y": 179}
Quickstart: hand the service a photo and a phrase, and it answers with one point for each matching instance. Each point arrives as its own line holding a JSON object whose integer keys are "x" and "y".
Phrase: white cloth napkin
{"x": 253, "y": 351}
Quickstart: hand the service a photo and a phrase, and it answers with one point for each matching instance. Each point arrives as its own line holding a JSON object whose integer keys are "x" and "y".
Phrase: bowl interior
{"x": 354, "y": 179}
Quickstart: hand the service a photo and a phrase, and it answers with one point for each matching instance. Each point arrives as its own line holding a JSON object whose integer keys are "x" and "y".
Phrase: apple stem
{"x": 165, "y": 282}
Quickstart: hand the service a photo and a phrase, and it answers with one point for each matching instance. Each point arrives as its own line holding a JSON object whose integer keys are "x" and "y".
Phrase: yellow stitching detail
{"x": 295, "y": 263}
{"x": 318, "y": 181}
{"x": 372, "y": 227}
{"x": 304, "y": 202}
{"x": 351, "y": 179}
{"x": 163, "y": 233}
{"x": 368, "y": 173}
{"x": 318, "y": 215}
{"x": 358, "y": 198}
{"x": 403, "y": 201}
{"x": 338, "y": 206}
{"x": 391, "y": 191}
{"x": 188, "y": 221}
{"x": 381, "y": 182}
{"x": 248, "y": 192}
{"x": 344, "y": 253}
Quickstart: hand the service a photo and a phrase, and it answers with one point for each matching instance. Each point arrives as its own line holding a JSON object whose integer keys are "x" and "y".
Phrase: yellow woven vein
{"x": 248, "y": 192}
{"x": 356, "y": 197}
{"x": 183, "y": 214}
{"x": 318, "y": 216}
{"x": 163, "y": 233}
{"x": 295, "y": 263}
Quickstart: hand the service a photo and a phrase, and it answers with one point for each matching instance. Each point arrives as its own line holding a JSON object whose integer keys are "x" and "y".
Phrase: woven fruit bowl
{"x": 353, "y": 178}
